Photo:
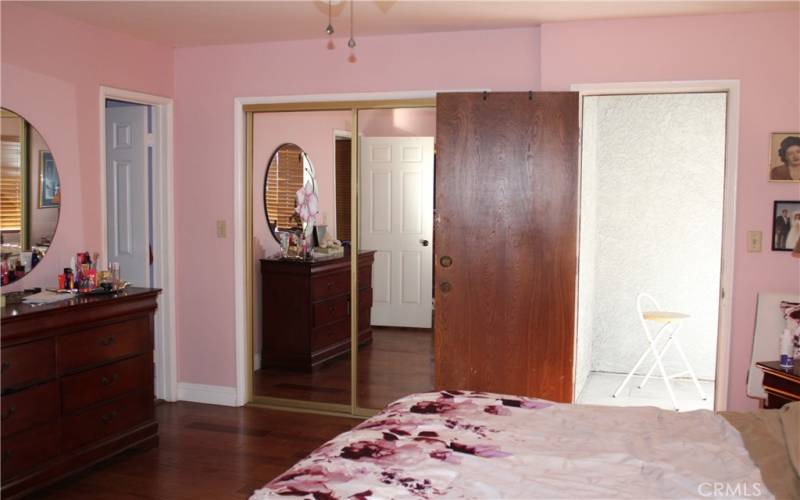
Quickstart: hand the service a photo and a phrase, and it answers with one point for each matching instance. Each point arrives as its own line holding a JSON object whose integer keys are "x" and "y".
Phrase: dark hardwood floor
{"x": 397, "y": 362}
{"x": 205, "y": 451}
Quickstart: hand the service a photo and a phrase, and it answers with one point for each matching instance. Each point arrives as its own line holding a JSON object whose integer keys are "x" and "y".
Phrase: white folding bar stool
{"x": 671, "y": 324}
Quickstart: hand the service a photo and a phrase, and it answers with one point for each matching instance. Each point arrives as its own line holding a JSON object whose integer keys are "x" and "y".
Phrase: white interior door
{"x": 396, "y": 183}
{"x": 127, "y": 192}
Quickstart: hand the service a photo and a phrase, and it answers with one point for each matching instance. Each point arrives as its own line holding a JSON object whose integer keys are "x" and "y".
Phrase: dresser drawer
{"x": 27, "y": 364}
{"x": 365, "y": 276}
{"x": 26, "y": 450}
{"x": 30, "y": 407}
{"x": 107, "y": 382}
{"x": 101, "y": 344}
{"x": 365, "y": 298}
{"x": 331, "y": 285}
{"x": 330, "y": 334}
{"x": 364, "y": 318}
{"x": 105, "y": 419}
{"x": 331, "y": 310}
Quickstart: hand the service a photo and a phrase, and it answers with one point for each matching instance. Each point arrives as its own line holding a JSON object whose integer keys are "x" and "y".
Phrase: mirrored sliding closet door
{"x": 395, "y": 281}
{"x": 301, "y": 298}
{"x": 342, "y": 254}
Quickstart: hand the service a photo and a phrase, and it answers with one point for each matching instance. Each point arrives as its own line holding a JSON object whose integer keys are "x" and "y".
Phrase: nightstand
{"x": 781, "y": 385}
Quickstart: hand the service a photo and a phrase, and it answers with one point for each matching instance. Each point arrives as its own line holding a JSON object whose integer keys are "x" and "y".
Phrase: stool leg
{"x": 666, "y": 380}
{"x": 651, "y": 348}
{"x": 650, "y": 371}
{"x": 630, "y": 373}
{"x": 691, "y": 371}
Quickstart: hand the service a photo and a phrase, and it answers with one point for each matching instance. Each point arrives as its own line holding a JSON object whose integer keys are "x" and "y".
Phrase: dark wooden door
{"x": 507, "y": 202}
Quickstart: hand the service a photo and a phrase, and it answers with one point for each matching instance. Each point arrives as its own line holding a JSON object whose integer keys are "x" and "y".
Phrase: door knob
{"x": 425, "y": 242}
{"x": 446, "y": 261}
{"x": 446, "y": 286}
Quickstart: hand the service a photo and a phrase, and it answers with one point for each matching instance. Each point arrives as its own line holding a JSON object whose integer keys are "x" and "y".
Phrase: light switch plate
{"x": 753, "y": 241}
{"x": 221, "y": 230}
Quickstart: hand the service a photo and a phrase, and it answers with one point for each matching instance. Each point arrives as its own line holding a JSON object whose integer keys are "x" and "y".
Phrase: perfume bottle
{"x": 116, "y": 278}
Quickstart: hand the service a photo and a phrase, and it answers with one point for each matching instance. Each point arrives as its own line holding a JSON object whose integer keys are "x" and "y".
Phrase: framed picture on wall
{"x": 784, "y": 157}
{"x": 785, "y": 225}
{"x": 49, "y": 184}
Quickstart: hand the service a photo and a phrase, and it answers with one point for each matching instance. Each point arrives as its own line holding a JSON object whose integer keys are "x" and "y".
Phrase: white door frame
{"x": 729, "y": 204}
{"x": 163, "y": 229}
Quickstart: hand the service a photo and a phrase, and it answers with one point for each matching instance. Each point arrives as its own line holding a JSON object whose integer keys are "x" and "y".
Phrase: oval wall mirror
{"x": 289, "y": 169}
{"x": 30, "y": 197}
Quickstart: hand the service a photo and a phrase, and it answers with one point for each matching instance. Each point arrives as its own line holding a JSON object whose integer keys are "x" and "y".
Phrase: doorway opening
{"x": 137, "y": 208}
{"x": 653, "y": 225}
{"x": 129, "y": 188}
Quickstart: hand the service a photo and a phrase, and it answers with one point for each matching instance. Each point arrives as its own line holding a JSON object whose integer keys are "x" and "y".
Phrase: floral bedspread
{"x": 456, "y": 444}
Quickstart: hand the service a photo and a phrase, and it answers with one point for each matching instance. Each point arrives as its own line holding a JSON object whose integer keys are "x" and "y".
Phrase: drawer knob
{"x": 109, "y": 381}
{"x": 109, "y": 417}
{"x": 330, "y": 285}
{"x": 7, "y": 454}
{"x": 446, "y": 287}
{"x": 106, "y": 340}
{"x": 6, "y": 365}
{"x": 9, "y": 413}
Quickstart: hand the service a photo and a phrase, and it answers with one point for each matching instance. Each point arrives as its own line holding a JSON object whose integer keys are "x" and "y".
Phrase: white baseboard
{"x": 209, "y": 394}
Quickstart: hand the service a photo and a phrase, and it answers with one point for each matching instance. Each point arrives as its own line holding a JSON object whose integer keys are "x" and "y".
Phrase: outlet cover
{"x": 221, "y": 229}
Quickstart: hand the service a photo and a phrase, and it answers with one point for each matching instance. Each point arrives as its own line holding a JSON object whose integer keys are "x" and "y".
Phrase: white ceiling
{"x": 192, "y": 23}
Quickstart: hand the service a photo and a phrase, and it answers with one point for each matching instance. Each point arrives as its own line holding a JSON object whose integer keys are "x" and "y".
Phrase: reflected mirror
{"x": 288, "y": 171}
{"x": 30, "y": 197}
{"x": 301, "y": 307}
{"x": 396, "y": 173}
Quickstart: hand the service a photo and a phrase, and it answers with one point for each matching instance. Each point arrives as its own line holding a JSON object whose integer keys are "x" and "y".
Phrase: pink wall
{"x": 207, "y": 79}
{"x": 403, "y": 122}
{"x": 52, "y": 69}
{"x": 760, "y": 50}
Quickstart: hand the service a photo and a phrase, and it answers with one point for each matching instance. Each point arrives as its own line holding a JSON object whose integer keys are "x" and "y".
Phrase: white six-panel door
{"x": 126, "y": 195}
{"x": 396, "y": 214}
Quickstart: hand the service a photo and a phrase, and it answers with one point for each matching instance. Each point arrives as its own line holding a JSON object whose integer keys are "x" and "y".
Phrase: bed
{"x": 457, "y": 444}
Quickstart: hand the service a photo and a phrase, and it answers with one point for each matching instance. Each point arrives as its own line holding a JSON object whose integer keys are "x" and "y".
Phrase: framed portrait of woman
{"x": 785, "y": 225}
{"x": 784, "y": 157}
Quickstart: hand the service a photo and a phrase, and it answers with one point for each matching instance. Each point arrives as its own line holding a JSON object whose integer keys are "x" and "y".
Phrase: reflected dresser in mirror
{"x": 77, "y": 385}
{"x": 307, "y": 310}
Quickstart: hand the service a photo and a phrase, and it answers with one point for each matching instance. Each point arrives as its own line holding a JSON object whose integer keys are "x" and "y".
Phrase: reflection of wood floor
{"x": 397, "y": 362}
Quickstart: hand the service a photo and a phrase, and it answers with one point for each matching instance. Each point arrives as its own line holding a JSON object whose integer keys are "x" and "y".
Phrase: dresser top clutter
{"x": 76, "y": 303}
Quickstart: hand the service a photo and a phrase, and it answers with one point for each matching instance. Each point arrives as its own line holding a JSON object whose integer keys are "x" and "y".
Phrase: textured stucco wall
{"x": 588, "y": 246}
{"x": 655, "y": 187}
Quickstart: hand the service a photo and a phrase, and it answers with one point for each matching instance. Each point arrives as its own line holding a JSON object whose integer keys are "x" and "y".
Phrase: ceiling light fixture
{"x": 352, "y": 42}
{"x": 329, "y": 28}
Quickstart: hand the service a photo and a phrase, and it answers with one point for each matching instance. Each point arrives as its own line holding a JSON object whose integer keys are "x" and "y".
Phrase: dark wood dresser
{"x": 307, "y": 309}
{"x": 782, "y": 386}
{"x": 77, "y": 385}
